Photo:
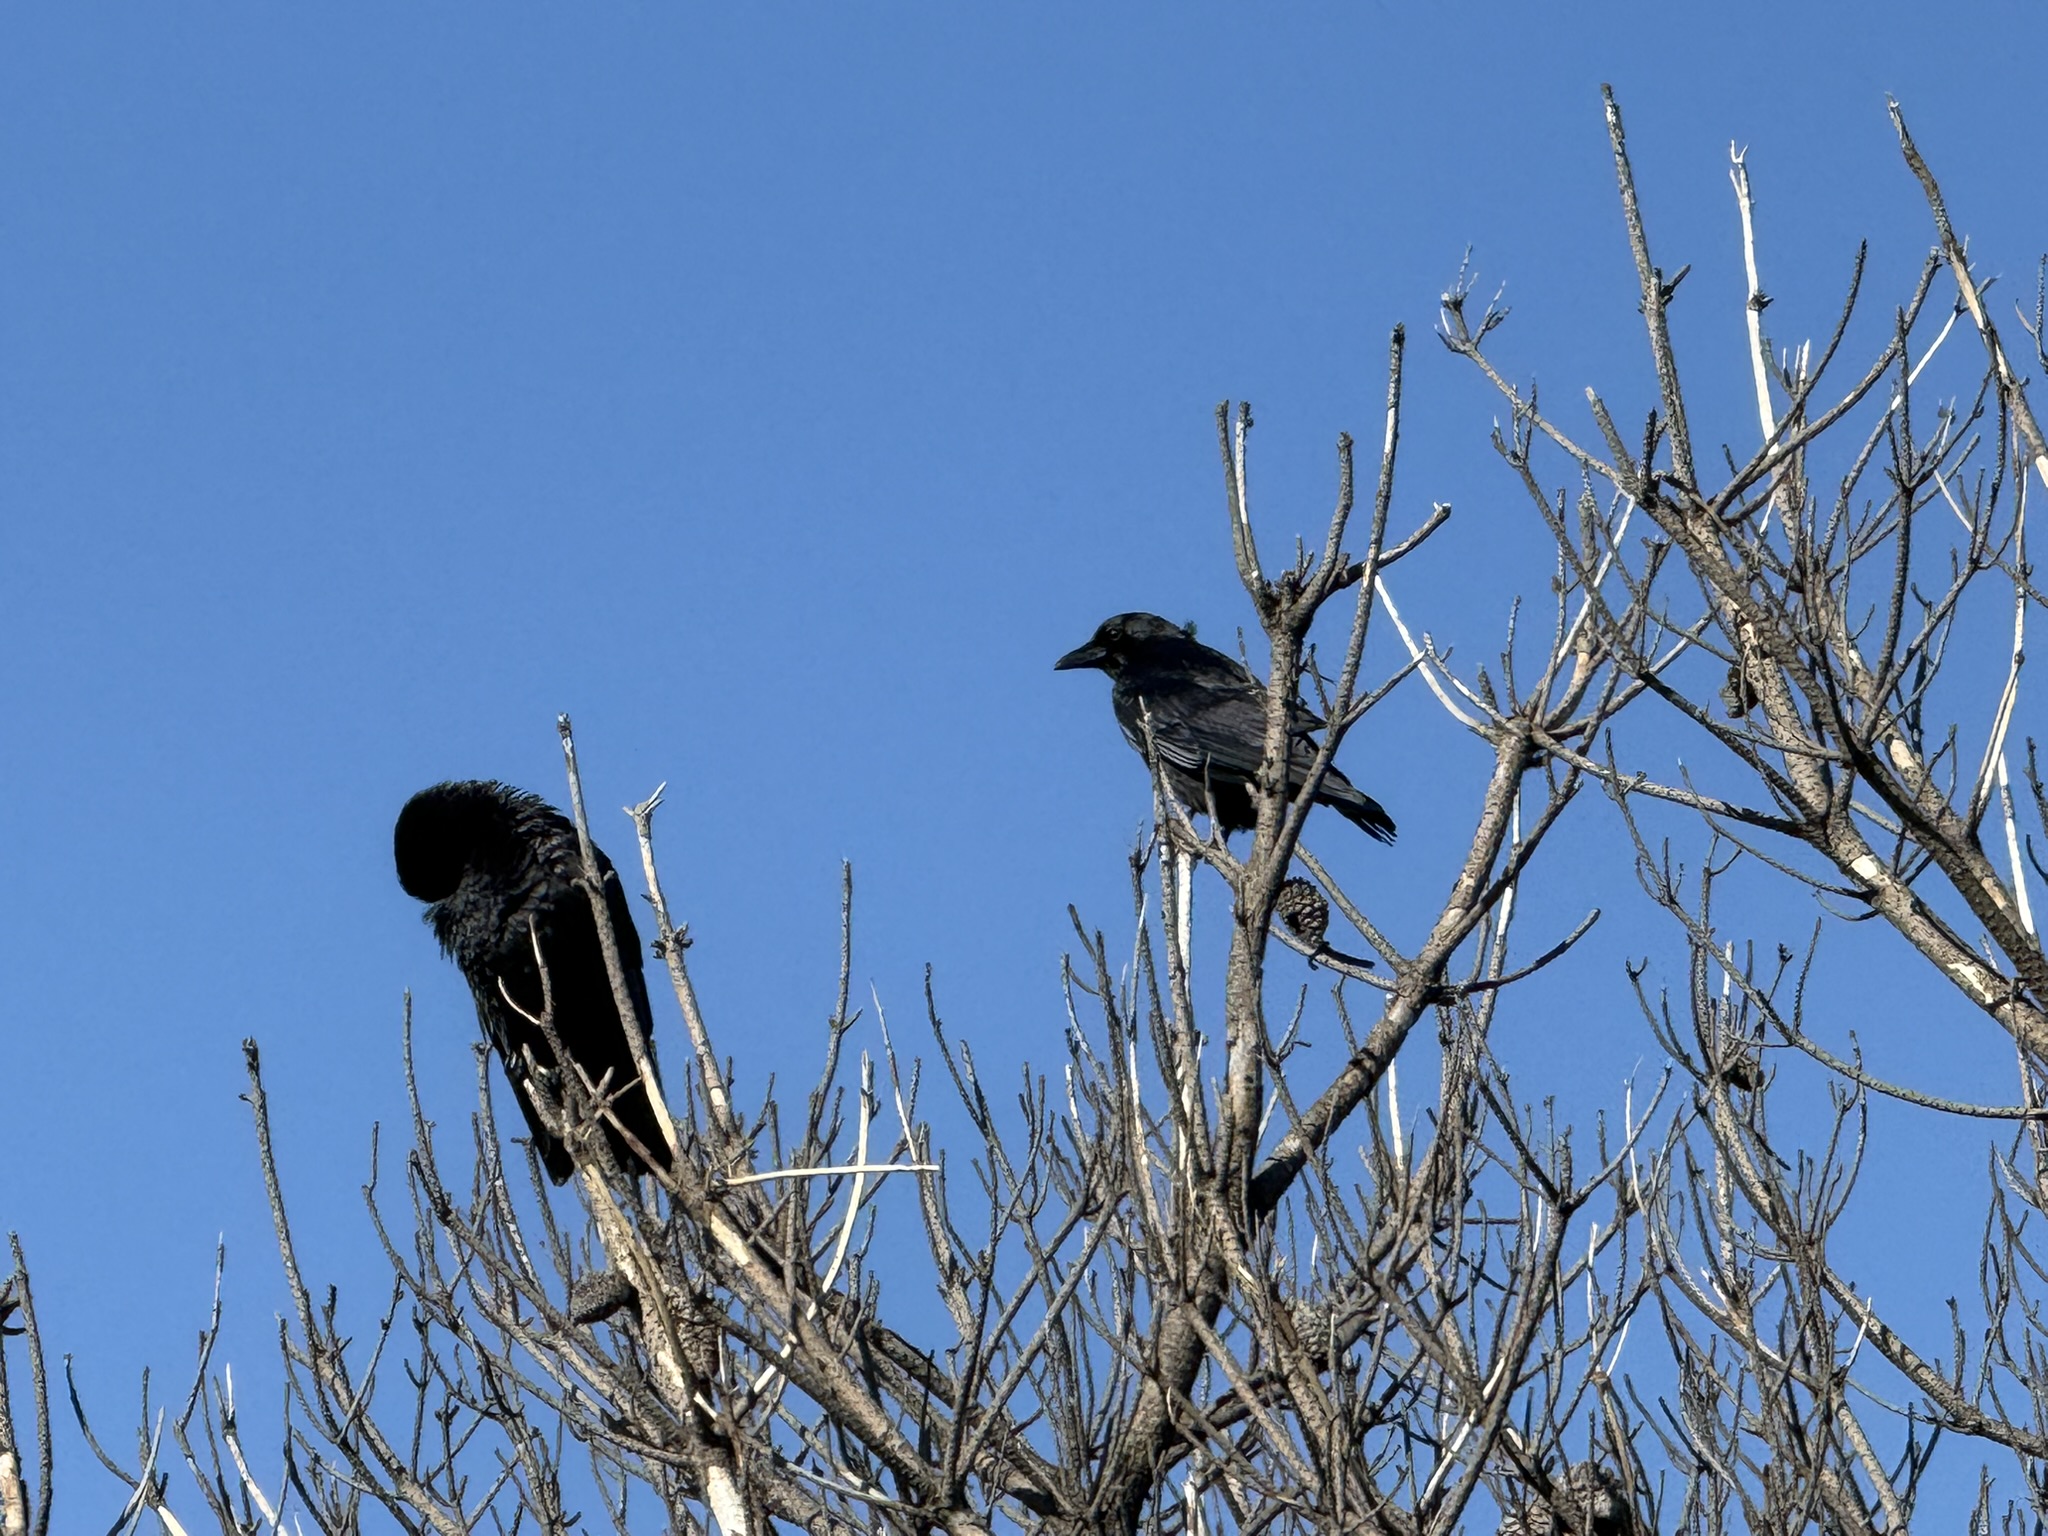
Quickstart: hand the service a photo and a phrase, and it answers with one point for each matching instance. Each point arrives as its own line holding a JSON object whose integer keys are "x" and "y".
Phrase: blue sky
{"x": 777, "y": 390}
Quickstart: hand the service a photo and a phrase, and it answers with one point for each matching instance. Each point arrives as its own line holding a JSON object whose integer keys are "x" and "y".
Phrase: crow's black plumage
{"x": 498, "y": 867}
{"x": 1208, "y": 721}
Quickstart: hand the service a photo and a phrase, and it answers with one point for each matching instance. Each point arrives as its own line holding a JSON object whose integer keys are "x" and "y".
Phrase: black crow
{"x": 499, "y": 867}
{"x": 1208, "y": 719}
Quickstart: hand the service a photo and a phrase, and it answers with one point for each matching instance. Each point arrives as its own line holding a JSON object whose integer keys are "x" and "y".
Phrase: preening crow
{"x": 1208, "y": 718}
{"x": 499, "y": 867}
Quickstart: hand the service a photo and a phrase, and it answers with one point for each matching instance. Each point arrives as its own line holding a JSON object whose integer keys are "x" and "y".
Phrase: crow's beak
{"x": 1089, "y": 655}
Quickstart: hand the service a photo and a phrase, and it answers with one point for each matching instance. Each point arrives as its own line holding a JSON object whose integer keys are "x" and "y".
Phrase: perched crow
{"x": 499, "y": 867}
{"x": 1208, "y": 717}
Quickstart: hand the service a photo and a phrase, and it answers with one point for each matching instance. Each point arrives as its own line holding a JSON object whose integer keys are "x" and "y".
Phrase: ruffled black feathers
{"x": 499, "y": 868}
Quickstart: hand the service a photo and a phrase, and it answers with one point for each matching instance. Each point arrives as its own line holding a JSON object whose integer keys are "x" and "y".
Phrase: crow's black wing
{"x": 1210, "y": 733}
{"x": 1200, "y": 726}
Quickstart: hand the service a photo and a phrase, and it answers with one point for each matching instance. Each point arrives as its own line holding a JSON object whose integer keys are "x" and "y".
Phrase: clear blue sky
{"x": 778, "y": 390}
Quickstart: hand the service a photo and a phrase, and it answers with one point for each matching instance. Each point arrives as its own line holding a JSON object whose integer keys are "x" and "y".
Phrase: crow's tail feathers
{"x": 1365, "y": 813}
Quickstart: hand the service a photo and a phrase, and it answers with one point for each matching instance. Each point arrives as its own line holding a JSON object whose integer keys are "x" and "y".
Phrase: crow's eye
{"x": 1116, "y": 632}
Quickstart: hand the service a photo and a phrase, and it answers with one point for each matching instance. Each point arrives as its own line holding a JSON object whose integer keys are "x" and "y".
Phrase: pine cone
{"x": 697, "y": 1327}
{"x": 595, "y": 1297}
{"x": 1302, "y": 908}
{"x": 1738, "y": 694}
{"x": 1599, "y": 1502}
{"x": 1595, "y": 1502}
{"x": 1742, "y": 1068}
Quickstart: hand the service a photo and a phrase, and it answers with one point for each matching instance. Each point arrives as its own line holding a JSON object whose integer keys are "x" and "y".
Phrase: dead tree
{"x": 1166, "y": 1308}
{"x": 1192, "y": 1278}
{"x": 1847, "y": 576}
